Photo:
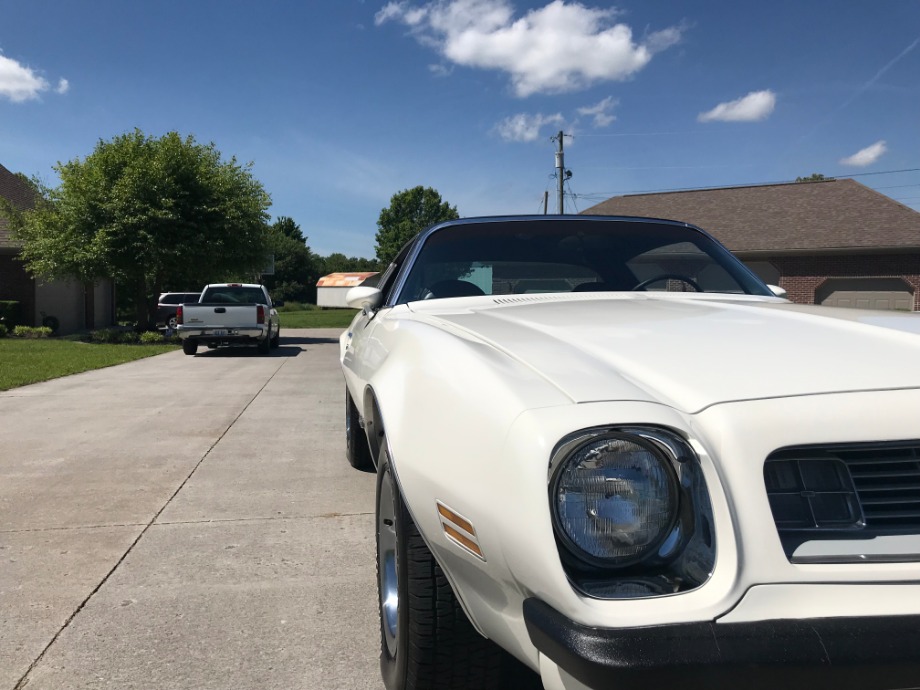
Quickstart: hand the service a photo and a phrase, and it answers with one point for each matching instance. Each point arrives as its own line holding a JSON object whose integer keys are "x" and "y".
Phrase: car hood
{"x": 690, "y": 352}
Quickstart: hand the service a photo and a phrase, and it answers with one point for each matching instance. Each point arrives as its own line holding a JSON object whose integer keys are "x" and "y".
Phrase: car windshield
{"x": 503, "y": 257}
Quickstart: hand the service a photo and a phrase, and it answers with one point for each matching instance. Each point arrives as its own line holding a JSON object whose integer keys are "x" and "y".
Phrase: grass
{"x": 32, "y": 360}
{"x": 24, "y": 361}
{"x": 317, "y": 318}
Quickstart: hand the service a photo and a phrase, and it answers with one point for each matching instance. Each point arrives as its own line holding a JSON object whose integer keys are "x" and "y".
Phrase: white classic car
{"x": 609, "y": 456}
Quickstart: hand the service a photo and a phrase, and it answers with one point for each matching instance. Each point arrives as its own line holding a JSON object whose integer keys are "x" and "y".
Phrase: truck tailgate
{"x": 219, "y": 315}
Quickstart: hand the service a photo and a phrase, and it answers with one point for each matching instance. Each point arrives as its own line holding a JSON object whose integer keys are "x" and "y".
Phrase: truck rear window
{"x": 234, "y": 295}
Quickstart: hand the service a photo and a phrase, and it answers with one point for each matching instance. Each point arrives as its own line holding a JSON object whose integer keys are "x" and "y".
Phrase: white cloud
{"x": 557, "y": 48}
{"x": 866, "y": 156}
{"x": 19, "y": 83}
{"x": 440, "y": 70}
{"x": 600, "y": 112}
{"x": 757, "y": 105}
{"x": 524, "y": 127}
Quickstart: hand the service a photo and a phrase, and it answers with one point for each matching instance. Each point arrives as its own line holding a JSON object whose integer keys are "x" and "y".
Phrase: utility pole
{"x": 561, "y": 173}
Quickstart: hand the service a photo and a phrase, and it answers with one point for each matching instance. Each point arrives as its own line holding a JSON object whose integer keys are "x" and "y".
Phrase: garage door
{"x": 866, "y": 293}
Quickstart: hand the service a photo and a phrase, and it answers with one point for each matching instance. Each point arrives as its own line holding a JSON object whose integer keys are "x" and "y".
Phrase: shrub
{"x": 108, "y": 335}
{"x": 298, "y": 306}
{"x": 31, "y": 332}
{"x": 2, "y": 331}
{"x": 152, "y": 338}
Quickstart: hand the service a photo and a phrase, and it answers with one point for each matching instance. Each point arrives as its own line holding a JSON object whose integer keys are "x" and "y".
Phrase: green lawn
{"x": 317, "y": 318}
{"x": 24, "y": 361}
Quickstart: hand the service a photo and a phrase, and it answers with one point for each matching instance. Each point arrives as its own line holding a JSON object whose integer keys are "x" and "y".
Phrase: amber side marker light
{"x": 459, "y": 530}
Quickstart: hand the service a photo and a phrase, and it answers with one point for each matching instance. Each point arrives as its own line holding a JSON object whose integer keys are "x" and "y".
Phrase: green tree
{"x": 289, "y": 228}
{"x": 410, "y": 212}
{"x": 814, "y": 177}
{"x": 339, "y": 263}
{"x": 297, "y": 268}
{"x": 147, "y": 212}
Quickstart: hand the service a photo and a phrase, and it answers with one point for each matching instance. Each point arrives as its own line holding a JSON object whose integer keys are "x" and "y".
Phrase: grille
{"x": 841, "y": 491}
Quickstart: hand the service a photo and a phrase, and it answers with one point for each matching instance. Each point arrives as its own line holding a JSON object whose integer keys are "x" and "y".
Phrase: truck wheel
{"x": 265, "y": 345}
{"x": 357, "y": 450}
{"x": 189, "y": 347}
{"x": 426, "y": 640}
{"x": 276, "y": 341}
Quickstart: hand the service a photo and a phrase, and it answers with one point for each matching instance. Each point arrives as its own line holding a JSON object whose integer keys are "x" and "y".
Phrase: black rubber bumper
{"x": 878, "y": 653}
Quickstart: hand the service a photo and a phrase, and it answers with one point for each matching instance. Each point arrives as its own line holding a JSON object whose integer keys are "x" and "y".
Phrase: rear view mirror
{"x": 778, "y": 291}
{"x": 362, "y": 297}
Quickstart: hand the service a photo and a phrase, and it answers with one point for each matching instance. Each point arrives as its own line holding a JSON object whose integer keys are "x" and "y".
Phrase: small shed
{"x": 331, "y": 289}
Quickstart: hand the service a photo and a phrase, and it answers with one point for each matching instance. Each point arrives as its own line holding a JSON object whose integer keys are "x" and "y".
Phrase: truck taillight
{"x": 179, "y": 314}
{"x": 260, "y": 314}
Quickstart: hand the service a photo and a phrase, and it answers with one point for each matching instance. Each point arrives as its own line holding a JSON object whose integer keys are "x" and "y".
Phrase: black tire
{"x": 426, "y": 640}
{"x": 276, "y": 341}
{"x": 265, "y": 346}
{"x": 189, "y": 347}
{"x": 357, "y": 450}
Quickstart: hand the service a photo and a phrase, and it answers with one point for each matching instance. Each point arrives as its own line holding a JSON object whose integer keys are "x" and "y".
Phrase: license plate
{"x": 220, "y": 331}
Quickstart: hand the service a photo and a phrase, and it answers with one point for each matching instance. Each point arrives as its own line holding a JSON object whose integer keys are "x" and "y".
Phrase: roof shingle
{"x": 812, "y": 216}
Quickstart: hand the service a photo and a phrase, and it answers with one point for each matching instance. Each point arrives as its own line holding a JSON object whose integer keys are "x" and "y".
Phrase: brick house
{"x": 76, "y": 306}
{"x": 836, "y": 242}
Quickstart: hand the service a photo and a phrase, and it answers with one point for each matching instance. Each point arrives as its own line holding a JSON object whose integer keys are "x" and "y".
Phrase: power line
{"x": 883, "y": 172}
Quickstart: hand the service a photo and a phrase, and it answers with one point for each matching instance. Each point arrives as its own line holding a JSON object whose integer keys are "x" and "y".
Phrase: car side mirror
{"x": 362, "y": 297}
{"x": 778, "y": 291}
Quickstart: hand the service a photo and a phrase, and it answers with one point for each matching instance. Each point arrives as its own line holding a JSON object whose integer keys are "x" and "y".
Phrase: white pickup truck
{"x": 229, "y": 314}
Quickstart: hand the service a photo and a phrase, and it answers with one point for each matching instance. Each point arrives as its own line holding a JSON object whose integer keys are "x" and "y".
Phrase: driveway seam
{"x": 71, "y": 529}
{"x": 327, "y": 516}
{"x": 21, "y": 683}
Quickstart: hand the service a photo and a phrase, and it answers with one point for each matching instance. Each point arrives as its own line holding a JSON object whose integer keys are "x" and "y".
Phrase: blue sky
{"x": 339, "y": 105}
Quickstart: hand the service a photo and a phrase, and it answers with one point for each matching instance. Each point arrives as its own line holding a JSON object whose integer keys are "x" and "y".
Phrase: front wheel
{"x": 189, "y": 347}
{"x": 426, "y": 640}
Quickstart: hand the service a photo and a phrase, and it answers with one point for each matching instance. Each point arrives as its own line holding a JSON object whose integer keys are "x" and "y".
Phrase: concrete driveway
{"x": 187, "y": 522}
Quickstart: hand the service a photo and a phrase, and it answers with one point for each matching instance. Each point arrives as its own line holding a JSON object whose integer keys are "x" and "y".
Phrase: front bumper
{"x": 871, "y": 653}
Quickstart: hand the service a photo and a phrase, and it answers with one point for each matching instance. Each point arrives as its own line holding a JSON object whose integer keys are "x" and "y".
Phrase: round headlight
{"x": 614, "y": 500}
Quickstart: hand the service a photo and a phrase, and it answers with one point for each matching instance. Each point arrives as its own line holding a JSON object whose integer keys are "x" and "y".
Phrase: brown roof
{"x": 19, "y": 193}
{"x": 344, "y": 279}
{"x": 812, "y": 216}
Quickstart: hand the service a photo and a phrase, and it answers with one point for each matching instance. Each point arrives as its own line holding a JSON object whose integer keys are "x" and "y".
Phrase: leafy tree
{"x": 147, "y": 212}
{"x": 287, "y": 227}
{"x": 814, "y": 177}
{"x": 339, "y": 263}
{"x": 410, "y": 212}
{"x": 296, "y": 267}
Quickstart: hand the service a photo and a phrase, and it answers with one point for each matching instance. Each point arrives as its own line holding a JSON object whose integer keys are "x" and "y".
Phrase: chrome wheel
{"x": 388, "y": 576}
